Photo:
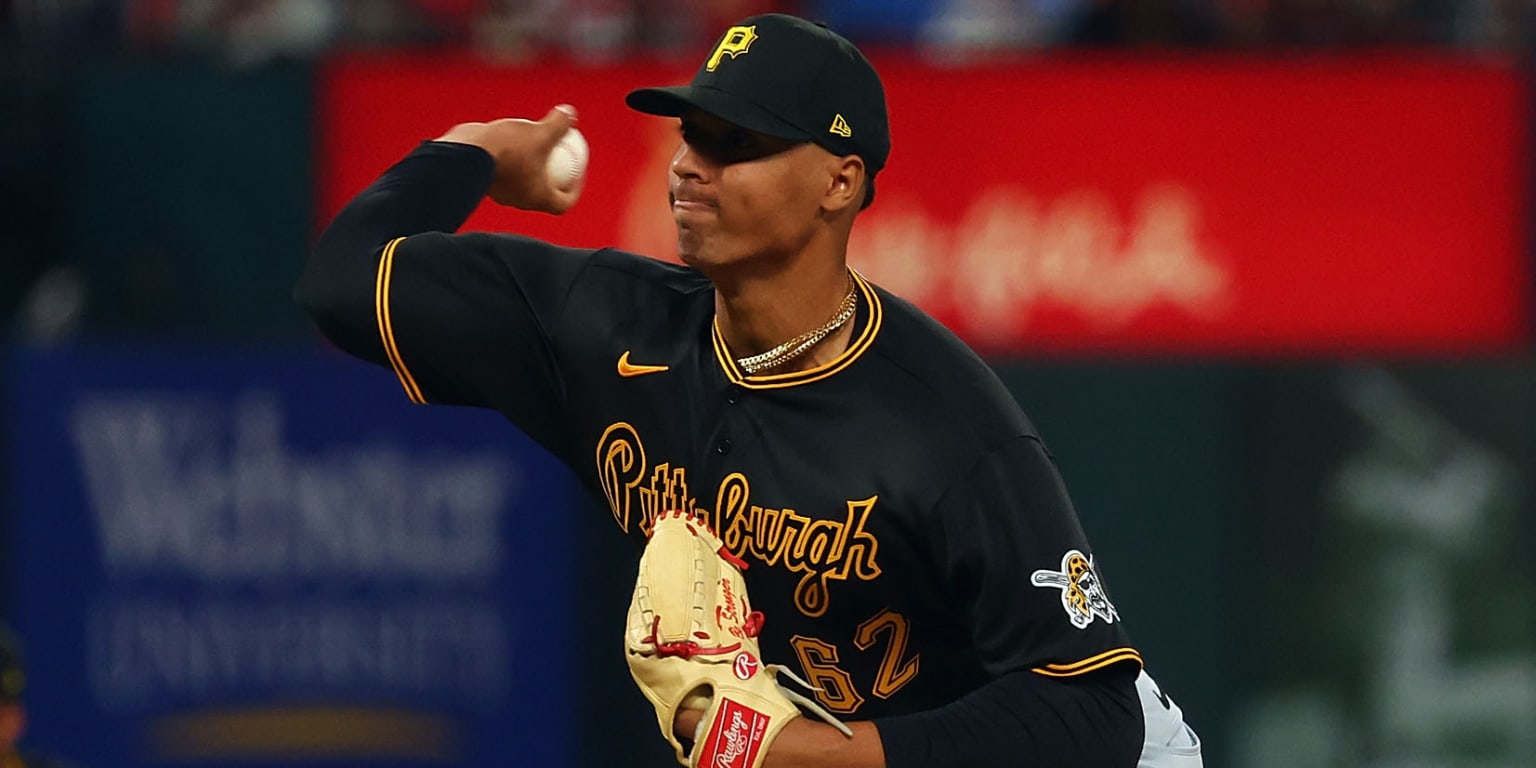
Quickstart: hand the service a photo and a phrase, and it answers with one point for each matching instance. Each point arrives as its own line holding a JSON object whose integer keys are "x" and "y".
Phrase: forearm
{"x": 434, "y": 189}
{"x": 808, "y": 743}
{"x": 1021, "y": 719}
{"x": 1024, "y": 719}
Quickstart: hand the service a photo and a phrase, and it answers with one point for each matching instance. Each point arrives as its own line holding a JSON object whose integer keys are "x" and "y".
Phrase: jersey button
{"x": 734, "y": 396}
{"x": 724, "y": 446}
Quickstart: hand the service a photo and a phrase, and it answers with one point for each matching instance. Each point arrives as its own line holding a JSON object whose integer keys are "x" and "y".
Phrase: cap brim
{"x": 675, "y": 101}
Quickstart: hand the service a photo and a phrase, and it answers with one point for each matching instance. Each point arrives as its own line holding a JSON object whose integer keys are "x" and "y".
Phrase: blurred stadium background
{"x": 1259, "y": 269}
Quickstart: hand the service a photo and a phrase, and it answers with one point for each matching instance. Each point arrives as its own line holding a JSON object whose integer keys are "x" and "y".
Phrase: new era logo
{"x": 840, "y": 127}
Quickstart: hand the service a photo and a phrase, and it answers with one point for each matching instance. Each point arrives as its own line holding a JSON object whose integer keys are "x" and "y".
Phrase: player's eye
{"x": 732, "y": 144}
{"x": 705, "y": 143}
{"x": 738, "y": 140}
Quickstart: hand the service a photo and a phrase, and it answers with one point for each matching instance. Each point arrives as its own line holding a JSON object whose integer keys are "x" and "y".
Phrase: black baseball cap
{"x": 789, "y": 78}
{"x": 12, "y": 678}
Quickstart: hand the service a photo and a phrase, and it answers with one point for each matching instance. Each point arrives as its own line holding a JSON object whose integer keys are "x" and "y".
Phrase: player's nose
{"x": 689, "y": 163}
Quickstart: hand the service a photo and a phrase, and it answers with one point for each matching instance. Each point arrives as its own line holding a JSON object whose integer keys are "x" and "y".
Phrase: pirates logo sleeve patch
{"x": 1082, "y": 593}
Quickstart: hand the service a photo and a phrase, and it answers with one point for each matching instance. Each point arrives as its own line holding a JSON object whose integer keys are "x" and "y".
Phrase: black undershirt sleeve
{"x": 462, "y": 319}
{"x": 433, "y": 189}
{"x": 1024, "y": 720}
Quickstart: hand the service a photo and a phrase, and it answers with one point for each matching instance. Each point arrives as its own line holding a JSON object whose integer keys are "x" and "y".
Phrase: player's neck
{"x": 759, "y": 313}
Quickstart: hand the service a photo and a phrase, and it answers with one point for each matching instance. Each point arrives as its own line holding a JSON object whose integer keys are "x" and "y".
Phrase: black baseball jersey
{"x": 907, "y": 534}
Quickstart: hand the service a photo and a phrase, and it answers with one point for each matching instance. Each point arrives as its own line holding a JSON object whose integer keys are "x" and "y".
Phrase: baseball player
{"x": 773, "y": 423}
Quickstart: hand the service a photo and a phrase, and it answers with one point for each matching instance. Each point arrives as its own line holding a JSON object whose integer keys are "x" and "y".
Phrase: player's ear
{"x": 845, "y": 183}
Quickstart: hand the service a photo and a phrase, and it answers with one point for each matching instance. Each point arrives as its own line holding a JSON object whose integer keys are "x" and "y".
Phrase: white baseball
{"x": 567, "y": 161}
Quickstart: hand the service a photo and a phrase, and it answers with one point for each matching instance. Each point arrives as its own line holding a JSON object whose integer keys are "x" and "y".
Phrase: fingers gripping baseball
{"x": 521, "y": 150}
{"x": 691, "y": 643}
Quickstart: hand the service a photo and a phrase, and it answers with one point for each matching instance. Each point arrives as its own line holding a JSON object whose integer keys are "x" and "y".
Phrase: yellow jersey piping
{"x": 1090, "y": 664}
{"x": 386, "y": 328}
{"x": 861, "y": 342}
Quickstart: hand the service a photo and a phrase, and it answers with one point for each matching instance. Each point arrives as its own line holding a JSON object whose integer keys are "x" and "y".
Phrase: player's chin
{"x": 697, "y": 260}
{"x": 709, "y": 247}
{"x": 690, "y": 247}
{"x": 704, "y": 255}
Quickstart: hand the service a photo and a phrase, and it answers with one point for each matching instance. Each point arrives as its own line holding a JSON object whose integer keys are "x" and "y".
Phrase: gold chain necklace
{"x": 799, "y": 345}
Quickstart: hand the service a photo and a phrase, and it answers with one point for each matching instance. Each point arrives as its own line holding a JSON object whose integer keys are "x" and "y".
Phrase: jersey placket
{"x": 732, "y": 426}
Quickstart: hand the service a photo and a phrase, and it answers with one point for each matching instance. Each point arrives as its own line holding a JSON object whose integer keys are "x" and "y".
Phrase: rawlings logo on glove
{"x": 691, "y": 643}
{"x": 735, "y": 738}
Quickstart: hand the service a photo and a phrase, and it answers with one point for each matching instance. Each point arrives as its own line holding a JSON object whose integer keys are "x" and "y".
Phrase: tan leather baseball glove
{"x": 691, "y": 643}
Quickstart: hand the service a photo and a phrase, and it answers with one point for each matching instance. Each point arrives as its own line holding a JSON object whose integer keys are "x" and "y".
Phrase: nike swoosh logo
{"x": 628, "y": 369}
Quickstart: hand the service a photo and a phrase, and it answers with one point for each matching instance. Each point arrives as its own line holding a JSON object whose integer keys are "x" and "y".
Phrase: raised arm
{"x": 434, "y": 189}
{"x": 461, "y": 319}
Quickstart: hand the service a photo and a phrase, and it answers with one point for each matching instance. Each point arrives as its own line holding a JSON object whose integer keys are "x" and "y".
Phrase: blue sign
{"x": 273, "y": 558}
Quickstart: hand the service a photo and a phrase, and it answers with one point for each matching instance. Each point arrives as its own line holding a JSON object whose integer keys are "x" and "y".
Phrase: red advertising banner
{"x": 1082, "y": 206}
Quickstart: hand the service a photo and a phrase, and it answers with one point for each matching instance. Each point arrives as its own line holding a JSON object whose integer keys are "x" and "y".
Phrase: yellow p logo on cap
{"x": 736, "y": 42}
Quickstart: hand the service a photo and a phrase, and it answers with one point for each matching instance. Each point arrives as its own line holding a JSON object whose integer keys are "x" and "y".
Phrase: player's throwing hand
{"x": 521, "y": 150}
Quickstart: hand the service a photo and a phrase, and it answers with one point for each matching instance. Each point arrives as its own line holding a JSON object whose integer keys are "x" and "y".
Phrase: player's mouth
{"x": 688, "y": 201}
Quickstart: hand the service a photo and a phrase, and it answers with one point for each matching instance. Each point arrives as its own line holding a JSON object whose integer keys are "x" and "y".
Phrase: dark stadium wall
{"x": 193, "y": 202}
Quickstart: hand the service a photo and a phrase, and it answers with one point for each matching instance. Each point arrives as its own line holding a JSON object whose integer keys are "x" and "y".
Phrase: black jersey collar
{"x": 871, "y": 314}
